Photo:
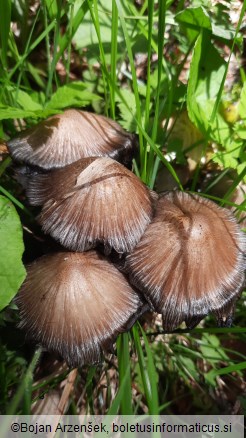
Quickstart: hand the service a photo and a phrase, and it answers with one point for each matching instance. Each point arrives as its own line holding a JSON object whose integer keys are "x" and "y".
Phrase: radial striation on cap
{"x": 65, "y": 138}
{"x": 190, "y": 260}
{"x": 93, "y": 201}
{"x": 76, "y": 305}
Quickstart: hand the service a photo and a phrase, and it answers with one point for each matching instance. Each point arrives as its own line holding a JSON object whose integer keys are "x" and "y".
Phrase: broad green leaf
{"x": 240, "y": 129}
{"x": 242, "y": 103}
{"x": 73, "y": 94}
{"x": 127, "y": 117}
{"x": 194, "y": 19}
{"x": 206, "y": 74}
{"x": 211, "y": 349}
{"x": 229, "y": 157}
{"x": 199, "y": 16}
{"x": 86, "y": 35}
{"x": 24, "y": 100}
{"x": 9, "y": 112}
{"x": 225, "y": 160}
{"x": 12, "y": 271}
{"x": 222, "y": 31}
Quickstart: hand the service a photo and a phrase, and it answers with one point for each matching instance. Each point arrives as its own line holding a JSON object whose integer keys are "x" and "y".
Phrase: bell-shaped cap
{"x": 65, "y": 138}
{"x": 190, "y": 260}
{"x": 93, "y": 201}
{"x": 76, "y": 304}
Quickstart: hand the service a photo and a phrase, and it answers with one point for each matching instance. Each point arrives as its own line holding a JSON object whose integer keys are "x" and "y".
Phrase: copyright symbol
{"x": 15, "y": 427}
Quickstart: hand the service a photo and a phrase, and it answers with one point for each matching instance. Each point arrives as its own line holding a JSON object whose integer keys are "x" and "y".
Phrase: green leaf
{"x": 24, "y": 100}
{"x": 211, "y": 349}
{"x": 73, "y": 94}
{"x": 197, "y": 17}
{"x": 127, "y": 117}
{"x": 240, "y": 129}
{"x": 189, "y": 367}
{"x": 225, "y": 32}
{"x": 9, "y": 112}
{"x": 240, "y": 168}
{"x": 194, "y": 19}
{"x": 114, "y": 408}
{"x": 206, "y": 75}
{"x": 12, "y": 271}
{"x": 211, "y": 375}
{"x": 225, "y": 160}
{"x": 86, "y": 35}
{"x": 148, "y": 372}
{"x": 242, "y": 103}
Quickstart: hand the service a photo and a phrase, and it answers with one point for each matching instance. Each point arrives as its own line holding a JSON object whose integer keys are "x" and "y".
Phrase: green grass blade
{"x": 161, "y": 31}
{"x": 4, "y": 165}
{"x": 25, "y": 51}
{"x": 25, "y": 385}
{"x": 31, "y": 48}
{"x": 134, "y": 84}
{"x": 148, "y": 372}
{"x": 89, "y": 387}
{"x": 15, "y": 201}
{"x": 227, "y": 370}
{"x": 214, "y": 330}
{"x": 65, "y": 40}
{"x": 124, "y": 364}
{"x": 234, "y": 185}
{"x": 52, "y": 7}
{"x": 95, "y": 19}
{"x": 152, "y": 372}
{"x": 114, "y": 34}
{"x": 51, "y": 71}
{"x": 69, "y": 48}
{"x": 115, "y": 406}
{"x": 47, "y": 40}
{"x": 5, "y": 18}
{"x": 150, "y": 30}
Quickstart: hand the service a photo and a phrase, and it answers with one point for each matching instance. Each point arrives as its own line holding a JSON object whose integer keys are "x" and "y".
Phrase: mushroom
{"x": 190, "y": 260}
{"x": 93, "y": 201}
{"x": 65, "y": 138}
{"x": 76, "y": 304}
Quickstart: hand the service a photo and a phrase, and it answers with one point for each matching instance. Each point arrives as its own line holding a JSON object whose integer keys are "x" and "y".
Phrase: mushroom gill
{"x": 76, "y": 305}
{"x": 93, "y": 201}
{"x": 65, "y": 138}
{"x": 190, "y": 260}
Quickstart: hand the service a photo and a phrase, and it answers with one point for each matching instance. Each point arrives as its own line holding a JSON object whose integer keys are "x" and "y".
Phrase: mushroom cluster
{"x": 180, "y": 254}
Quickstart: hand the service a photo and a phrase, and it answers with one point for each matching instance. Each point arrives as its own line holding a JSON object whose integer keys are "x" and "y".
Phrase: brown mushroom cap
{"x": 190, "y": 260}
{"x": 76, "y": 304}
{"x": 65, "y": 138}
{"x": 92, "y": 201}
